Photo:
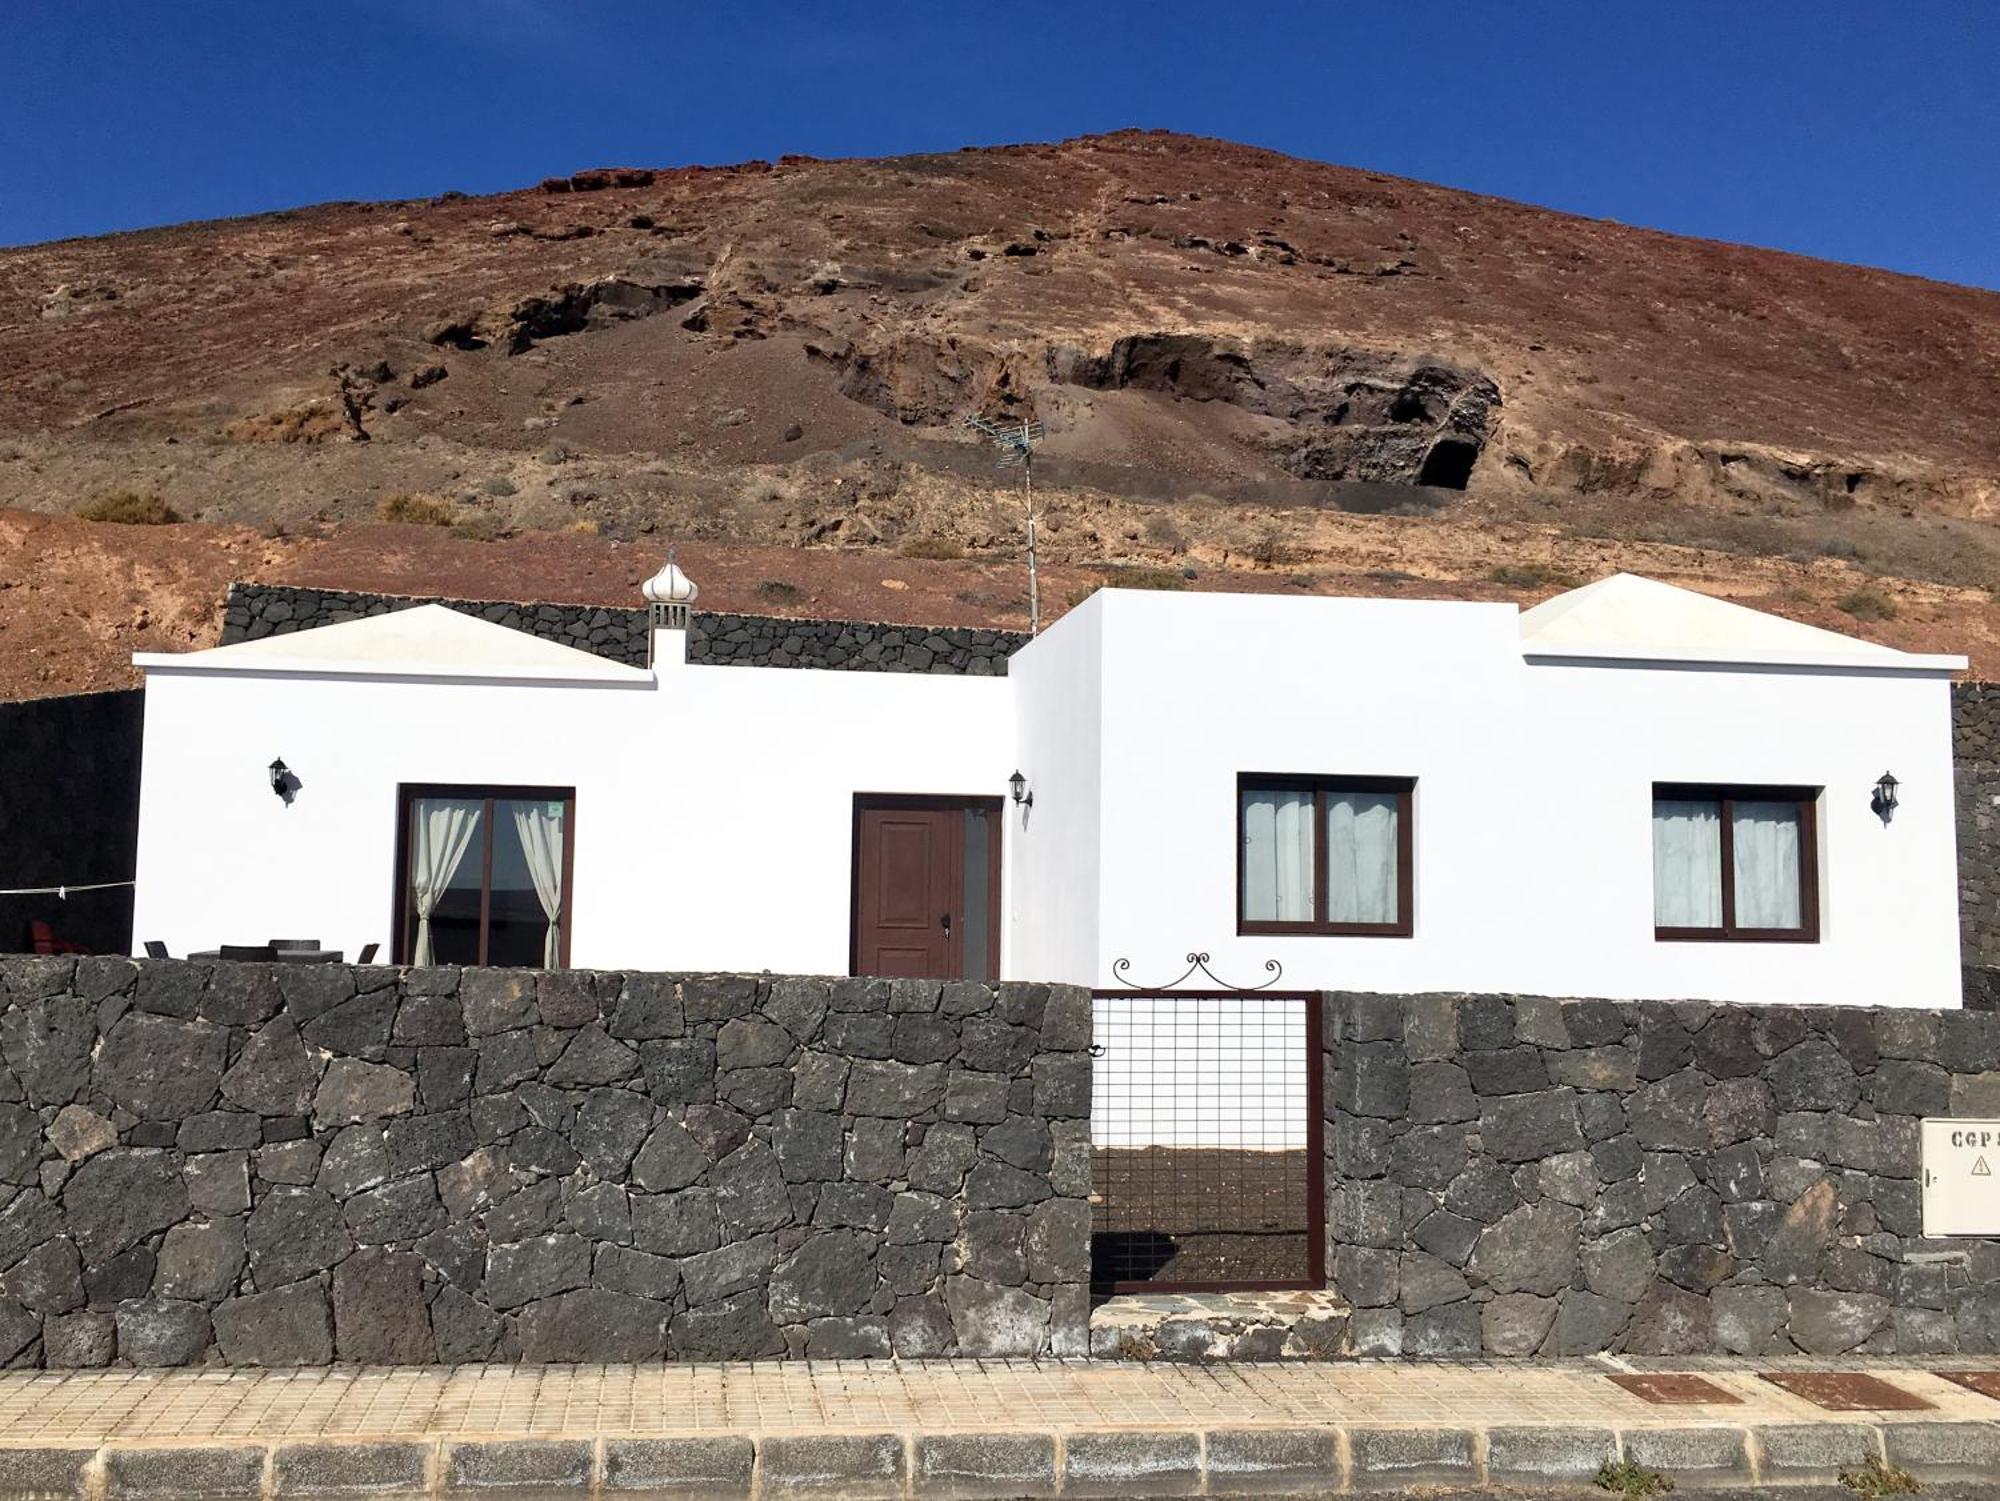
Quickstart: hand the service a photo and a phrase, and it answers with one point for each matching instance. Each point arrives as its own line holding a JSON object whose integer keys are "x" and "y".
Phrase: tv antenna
{"x": 1016, "y": 442}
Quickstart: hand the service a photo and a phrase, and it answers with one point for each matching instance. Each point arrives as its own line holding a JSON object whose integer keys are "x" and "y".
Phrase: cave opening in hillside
{"x": 1449, "y": 464}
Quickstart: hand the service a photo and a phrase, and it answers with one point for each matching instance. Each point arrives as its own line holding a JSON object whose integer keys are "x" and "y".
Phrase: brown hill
{"x": 1261, "y": 371}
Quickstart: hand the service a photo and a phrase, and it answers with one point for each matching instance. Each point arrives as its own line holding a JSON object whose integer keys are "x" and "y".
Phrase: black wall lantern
{"x": 1023, "y": 798}
{"x": 1884, "y": 800}
{"x": 282, "y": 781}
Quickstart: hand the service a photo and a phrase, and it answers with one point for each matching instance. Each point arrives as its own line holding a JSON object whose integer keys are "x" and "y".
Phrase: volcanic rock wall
{"x": 286, "y": 1165}
{"x": 1975, "y": 723}
{"x": 258, "y": 610}
{"x": 1523, "y": 1176}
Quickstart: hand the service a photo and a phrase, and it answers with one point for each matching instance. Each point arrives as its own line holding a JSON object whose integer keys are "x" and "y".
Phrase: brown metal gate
{"x": 1207, "y": 1162}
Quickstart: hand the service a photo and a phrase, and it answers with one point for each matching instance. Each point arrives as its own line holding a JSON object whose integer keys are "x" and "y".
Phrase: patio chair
{"x": 42, "y": 940}
{"x": 254, "y": 951}
{"x": 156, "y": 949}
{"x": 295, "y": 943}
{"x": 367, "y": 955}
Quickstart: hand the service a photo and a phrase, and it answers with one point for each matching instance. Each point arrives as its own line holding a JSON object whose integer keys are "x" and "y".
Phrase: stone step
{"x": 1221, "y": 1326}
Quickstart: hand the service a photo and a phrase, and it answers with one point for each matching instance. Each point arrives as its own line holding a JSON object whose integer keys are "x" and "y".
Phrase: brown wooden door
{"x": 910, "y": 860}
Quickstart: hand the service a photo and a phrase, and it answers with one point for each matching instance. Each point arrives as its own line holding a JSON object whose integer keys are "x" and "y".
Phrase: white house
{"x": 1629, "y": 791}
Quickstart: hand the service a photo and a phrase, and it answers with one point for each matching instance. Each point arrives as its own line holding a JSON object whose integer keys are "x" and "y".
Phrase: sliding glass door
{"x": 483, "y": 875}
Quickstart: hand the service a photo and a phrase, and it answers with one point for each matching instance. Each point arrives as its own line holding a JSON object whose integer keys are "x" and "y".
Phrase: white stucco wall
{"x": 1532, "y": 805}
{"x": 714, "y": 806}
{"x": 1058, "y": 706}
{"x": 714, "y": 811}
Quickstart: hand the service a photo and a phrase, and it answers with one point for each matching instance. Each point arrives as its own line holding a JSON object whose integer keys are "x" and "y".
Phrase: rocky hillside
{"x": 1253, "y": 371}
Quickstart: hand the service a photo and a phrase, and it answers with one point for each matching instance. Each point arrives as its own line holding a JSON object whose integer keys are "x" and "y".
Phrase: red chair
{"x": 42, "y": 940}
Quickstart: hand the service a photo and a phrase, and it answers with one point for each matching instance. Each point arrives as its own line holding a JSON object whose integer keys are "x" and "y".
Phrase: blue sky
{"x": 1862, "y": 132}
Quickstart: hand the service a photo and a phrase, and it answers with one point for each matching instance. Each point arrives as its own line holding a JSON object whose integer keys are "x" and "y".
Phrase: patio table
{"x": 282, "y": 956}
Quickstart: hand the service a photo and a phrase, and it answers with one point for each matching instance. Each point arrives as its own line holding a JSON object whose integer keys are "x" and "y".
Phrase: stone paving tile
{"x": 39, "y": 1408}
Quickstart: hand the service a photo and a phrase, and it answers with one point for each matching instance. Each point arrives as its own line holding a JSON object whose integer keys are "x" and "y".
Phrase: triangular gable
{"x": 1632, "y": 618}
{"x": 423, "y": 641}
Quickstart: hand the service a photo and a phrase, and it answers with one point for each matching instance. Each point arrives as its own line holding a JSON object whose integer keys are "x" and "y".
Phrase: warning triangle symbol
{"x": 1981, "y": 1170}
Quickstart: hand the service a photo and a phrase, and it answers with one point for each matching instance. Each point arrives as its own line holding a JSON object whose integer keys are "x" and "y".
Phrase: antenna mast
{"x": 1016, "y": 442}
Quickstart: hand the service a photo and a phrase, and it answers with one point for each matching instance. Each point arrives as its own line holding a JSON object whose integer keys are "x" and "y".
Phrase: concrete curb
{"x": 975, "y": 1465}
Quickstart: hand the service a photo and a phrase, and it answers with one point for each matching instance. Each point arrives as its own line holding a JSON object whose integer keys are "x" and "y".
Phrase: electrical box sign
{"x": 1961, "y": 1168}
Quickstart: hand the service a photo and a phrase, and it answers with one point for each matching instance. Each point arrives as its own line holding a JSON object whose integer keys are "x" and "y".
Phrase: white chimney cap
{"x": 670, "y": 586}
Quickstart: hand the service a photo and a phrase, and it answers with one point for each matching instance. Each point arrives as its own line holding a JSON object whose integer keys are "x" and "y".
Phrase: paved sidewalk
{"x": 946, "y": 1429}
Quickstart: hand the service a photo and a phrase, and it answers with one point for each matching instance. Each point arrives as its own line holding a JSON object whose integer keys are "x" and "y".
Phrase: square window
{"x": 484, "y": 875}
{"x": 1324, "y": 855}
{"x": 1735, "y": 863}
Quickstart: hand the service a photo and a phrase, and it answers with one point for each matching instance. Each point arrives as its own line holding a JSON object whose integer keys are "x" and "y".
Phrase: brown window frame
{"x": 1728, "y": 794}
{"x": 1404, "y": 788}
{"x": 406, "y": 910}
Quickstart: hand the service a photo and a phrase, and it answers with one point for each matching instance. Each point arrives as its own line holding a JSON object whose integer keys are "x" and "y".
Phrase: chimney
{"x": 669, "y": 595}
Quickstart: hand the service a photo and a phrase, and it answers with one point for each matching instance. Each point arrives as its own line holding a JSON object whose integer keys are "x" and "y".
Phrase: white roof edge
{"x": 194, "y": 663}
{"x": 426, "y": 641}
{"x": 1627, "y": 617}
{"x": 1901, "y": 661}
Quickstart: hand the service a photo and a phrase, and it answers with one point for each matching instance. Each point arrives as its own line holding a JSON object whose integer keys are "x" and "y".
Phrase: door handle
{"x": 946, "y": 921}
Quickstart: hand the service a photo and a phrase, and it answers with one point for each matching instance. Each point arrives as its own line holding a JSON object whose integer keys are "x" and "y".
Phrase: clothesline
{"x": 62, "y": 892}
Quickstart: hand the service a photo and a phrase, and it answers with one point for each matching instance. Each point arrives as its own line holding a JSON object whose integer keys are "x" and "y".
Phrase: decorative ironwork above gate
{"x": 1197, "y": 964}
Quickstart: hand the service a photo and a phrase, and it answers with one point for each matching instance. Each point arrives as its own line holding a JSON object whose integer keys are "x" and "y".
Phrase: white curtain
{"x": 1766, "y": 837}
{"x": 1361, "y": 857}
{"x": 442, "y": 832}
{"x": 540, "y": 826}
{"x": 1687, "y": 863}
{"x": 1278, "y": 856}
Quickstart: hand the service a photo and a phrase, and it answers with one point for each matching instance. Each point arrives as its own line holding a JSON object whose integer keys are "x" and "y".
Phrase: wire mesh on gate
{"x": 1204, "y": 1142}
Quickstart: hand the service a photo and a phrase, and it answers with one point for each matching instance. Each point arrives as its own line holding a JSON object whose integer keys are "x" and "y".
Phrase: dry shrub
{"x": 1868, "y": 603}
{"x": 933, "y": 549}
{"x": 1162, "y": 533}
{"x": 309, "y": 422}
{"x": 1269, "y": 550}
{"x": 1624, "y": 1477}
{"x": 1872, "y": 1478}
{"x": 778, "y": 589}
{"x": 476, "y": 526}
{"x": 583, "y": 526}
{"x": 1147, "y": 578}
{"x": 1532, "y": 576}
{"x": 129, "y": 508}
{"x": 413, "y": 508}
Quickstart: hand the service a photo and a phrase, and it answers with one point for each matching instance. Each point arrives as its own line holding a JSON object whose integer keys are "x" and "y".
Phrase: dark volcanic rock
{"x": 273, "y": 1075}
{"x": 47, "y": 1045}
{"x": 287, "y": 1327}
{"x": 610, "y": 1126}
{"x": 200, "y": 1262}
{"x": 294, "y": 1233}
{"x": 157, "y": 1332}
{"x": 351, "y": 1090}
{"x": 159, "y": 1068}
{"x": 829, "y": 1274}
{"x": 379, "y": 1317}
{"x": 120, "y": 1197}
{"x": 527, "y": 1271}
{"x": 670, "y": 1160}
{"x": 398, "y": 1211}
{"x": 737, "y": 1328}
{"x": 594, "y": 1324}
